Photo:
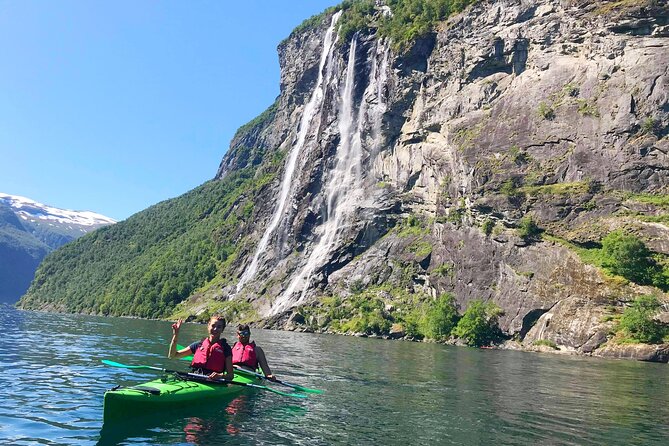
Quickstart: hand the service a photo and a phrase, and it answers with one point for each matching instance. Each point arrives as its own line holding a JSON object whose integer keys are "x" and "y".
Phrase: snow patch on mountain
{"x": 34, "y": 211}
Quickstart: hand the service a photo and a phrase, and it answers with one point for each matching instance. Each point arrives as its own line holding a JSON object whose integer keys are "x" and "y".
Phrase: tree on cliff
{"x": 638, "y": 321}
{"x": 627, "y": 256}
{"x": 479, "y": 324}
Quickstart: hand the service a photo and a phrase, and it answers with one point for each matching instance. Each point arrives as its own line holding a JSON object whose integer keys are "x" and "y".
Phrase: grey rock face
{"x": 545, "y": 108}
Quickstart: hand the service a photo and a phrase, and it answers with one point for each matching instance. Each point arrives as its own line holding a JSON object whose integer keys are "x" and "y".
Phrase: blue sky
{"x": 115, "y": 106}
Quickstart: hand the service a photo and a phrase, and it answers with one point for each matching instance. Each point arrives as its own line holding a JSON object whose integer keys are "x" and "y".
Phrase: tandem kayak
{"x": 172, "y": 389}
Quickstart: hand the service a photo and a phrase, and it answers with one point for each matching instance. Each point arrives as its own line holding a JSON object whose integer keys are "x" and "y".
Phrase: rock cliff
{"x": 551, "y": 110}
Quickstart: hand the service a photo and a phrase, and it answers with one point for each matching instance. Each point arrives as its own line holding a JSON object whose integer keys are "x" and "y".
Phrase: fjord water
{"x": 376, "y": 392}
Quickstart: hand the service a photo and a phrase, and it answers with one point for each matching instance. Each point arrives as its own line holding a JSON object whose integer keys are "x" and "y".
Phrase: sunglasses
{"x": 243, "y": 333}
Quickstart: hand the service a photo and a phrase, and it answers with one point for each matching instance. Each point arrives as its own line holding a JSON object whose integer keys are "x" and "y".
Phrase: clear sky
{"x": 112, "y": 106}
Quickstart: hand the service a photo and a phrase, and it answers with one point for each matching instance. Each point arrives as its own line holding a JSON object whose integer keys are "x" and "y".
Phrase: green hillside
{"x": 147, "y": 264}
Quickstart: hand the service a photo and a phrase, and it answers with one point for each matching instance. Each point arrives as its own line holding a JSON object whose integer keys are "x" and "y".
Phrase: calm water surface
{"x": 376, "y": 392}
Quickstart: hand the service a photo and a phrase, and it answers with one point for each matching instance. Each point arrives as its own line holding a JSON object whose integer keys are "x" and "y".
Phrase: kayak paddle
{"x": 283, "y": 383}
{"x": 204, "y": 377}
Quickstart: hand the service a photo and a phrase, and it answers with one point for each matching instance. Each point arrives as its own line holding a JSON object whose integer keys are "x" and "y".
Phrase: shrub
{"x": 367, "y": 323}
{"x": 444, "y": 270}
{"x": 519, "y": 156}
{"x": 455, "y": 215}
{"x": 546, "y": 111}
{"x": 627, "y": 256}
{"x": 528, "y": 229}
{"x": 487, "y": 226}
{"x": 412, "y": 19}
{"x": 356, "y": 17}
{"x": 439, "y": 318}
{"x": 411, "y": 324}
{"x": 546, "y": 342}
{"x": 586, "y": 108}
{"x": 650, "y": 126}
{"x": 637, "y": 321}
{"x": 594, "y": 186}
{"x": 660, "y": 276}
{"x": 571, "y": 90}
{"x": 510, "y": 188}
{"x": 357, "y": 286}
{"x": 479, "y": 324}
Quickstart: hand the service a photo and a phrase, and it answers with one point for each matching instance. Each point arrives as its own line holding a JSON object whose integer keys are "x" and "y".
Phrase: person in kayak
{"x": 248, "y": 355}
{"x": 212, "y": 356}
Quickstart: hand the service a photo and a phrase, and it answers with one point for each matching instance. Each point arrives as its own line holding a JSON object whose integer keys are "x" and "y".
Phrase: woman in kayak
{"x": 248, "y": 355}
{"x": 212, "y": 356}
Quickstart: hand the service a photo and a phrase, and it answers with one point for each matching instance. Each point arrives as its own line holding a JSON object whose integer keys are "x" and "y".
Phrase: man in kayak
{"x": 212, "y": 356}
{"x": 248, "y": 355}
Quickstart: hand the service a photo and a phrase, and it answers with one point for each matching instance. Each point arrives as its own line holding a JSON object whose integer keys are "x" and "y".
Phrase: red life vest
{"x": 245, "y": 355}
{"x": 209, "y": 356}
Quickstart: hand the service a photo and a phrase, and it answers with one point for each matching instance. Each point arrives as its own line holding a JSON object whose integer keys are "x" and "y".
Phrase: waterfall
{"x": 344, "y": 189}
{"x": 379, "y": 76}
{"x": 311, "y": 110}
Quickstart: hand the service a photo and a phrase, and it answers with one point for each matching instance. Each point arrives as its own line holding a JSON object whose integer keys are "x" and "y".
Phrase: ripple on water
{"x": 376, "y": 392}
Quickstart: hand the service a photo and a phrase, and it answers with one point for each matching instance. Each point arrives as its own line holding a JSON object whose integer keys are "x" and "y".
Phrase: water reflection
{"x": 376, "y": 392}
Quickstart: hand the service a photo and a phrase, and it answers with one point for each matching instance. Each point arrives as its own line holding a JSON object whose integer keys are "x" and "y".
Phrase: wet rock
{"x": 640, "y": 352}
{"x": 396, "y": 331}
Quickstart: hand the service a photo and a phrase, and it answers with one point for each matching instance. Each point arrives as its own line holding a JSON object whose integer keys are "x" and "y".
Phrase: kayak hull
{"x": 165, "y": 392}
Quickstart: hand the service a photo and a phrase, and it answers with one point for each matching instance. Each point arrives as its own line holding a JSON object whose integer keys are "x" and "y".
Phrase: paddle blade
{"x": 125, "y": 366}
{"x": 118, "y": 364}
{"x": 278, "y": 392}
{"x": 302, "y": 389}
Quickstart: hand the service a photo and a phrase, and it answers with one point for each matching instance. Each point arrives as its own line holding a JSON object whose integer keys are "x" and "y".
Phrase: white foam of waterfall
{"x": 311, "y": 110}
{"x": 379, "y": 75}
{"x": 344, "y": 189}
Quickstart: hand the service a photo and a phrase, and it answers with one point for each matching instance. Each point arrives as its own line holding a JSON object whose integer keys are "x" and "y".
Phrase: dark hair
{"x": 218, "y": 317}
{"x": 243, "y": 327}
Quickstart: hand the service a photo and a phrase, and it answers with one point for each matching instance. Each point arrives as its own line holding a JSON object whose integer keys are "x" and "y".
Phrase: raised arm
{"x": 173, "y": 352}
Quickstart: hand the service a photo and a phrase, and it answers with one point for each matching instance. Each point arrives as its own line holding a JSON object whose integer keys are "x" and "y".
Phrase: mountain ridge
{"x": 29, "y": 230}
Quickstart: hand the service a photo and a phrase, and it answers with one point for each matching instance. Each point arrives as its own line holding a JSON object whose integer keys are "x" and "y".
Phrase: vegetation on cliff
{"x": 407, "y": 20}
{"x": 146, "y": 265}
{"x": 638, "y": 324}
{"x": 627, "y": 256}
{"x": 404, "y": 22}
{"x": 392, "y": 310}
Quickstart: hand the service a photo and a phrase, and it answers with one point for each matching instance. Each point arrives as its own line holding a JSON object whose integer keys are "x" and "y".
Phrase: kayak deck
{"x": 170, "y": 390}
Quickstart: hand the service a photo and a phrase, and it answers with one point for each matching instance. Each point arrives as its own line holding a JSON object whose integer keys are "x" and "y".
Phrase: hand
{"x": 215, "y": 376}
{"x": 176, "y": 326}
{"x": 271, "y": 377}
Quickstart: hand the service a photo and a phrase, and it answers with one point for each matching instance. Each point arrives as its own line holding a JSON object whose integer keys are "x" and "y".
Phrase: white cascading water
{"x": 311, "y": 110}
{"x": 344, "y": 189}
{"x": 379, "y": 76}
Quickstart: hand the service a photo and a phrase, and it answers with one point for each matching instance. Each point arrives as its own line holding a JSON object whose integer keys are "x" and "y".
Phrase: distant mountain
{"x": 28, "y": 232}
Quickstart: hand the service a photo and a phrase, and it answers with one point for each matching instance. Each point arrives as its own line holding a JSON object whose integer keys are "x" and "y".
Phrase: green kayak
{"x": 172, "y": 389}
